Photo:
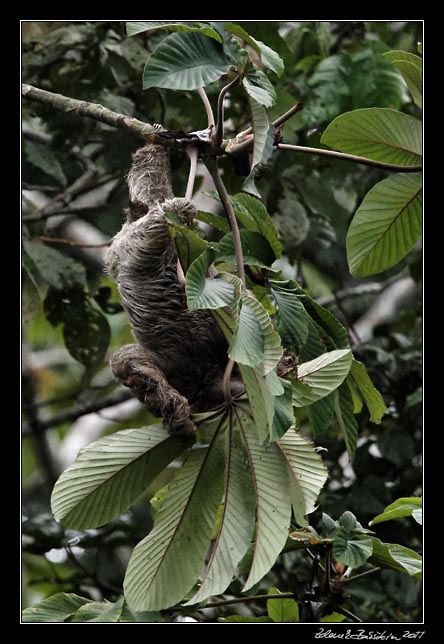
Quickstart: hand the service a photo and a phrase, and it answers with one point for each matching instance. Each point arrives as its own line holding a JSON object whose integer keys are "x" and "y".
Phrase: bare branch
{"x": 70, "y": 415}
{"x": 93, "y": 111}
{"x": 71, "y": 242}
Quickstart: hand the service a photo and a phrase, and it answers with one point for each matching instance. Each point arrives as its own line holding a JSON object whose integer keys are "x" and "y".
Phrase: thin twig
{"x": 70, "y": 415}
{"x": 70, "y": 242}
{"x": 241, "y": 600}
{"x": 291, "y": 112}
{"x": 207, "y": 104}
{"x": 213, "y": 169}
{"x": 219, "y": 134}
{"x": 348, "y": 580}
{"x": 391, "y": 167}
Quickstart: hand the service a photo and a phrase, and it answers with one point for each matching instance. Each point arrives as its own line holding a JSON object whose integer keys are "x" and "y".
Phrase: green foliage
{"x": 224, "y": 510}
{"x": 386, "y": 226}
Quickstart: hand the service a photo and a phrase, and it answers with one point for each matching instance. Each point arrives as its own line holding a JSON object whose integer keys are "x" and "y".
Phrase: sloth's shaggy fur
{"x": 178, "y": 364}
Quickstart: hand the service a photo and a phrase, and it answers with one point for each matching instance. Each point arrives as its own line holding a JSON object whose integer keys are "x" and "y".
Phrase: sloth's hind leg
{"x": 136, "y": 368}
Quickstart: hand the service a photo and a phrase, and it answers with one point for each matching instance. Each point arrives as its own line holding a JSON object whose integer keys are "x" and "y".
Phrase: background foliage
{"x": 71, "y": 315}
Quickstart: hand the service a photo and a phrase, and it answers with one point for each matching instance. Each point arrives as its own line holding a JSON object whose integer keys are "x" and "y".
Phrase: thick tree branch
{"x": 92, "y": 110}
{"x": 391, "y": 167}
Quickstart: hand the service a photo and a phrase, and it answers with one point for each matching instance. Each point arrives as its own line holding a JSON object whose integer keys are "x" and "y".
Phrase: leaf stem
{"x": 211, "y": 164}
{"x": 346, "y": 157}
{"x": 226, "y": 380}
{"x": 192, "y": 154}
{"x": 219, "y": 134}
{"x": 207, "y": 104}
{"x": 287, "y": 115}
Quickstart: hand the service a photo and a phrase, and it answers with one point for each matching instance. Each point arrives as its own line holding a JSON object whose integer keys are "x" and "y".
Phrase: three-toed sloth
{"x": 177, "y": 367}
{"x": 178, "y": 364}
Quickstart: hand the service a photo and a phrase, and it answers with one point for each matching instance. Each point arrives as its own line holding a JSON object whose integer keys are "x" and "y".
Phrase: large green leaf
{"x": 386, "y": 225}
{"x": 257, "y": 251}
{"x": 373, "y": 399}
{"x": 237, "y": 521}
{"x": 259, "y": 215}
{"x": 410, "y": 67}
{"x": 103, "y": 612}
{"x": 343, "y": 410}
{"x": 269, "y": 57}
{"x": 259, "y": 87}
{"x": 396, "y": 557}
{"x": 165, "y": 565}
{"x": 57, "y": 608}
{"x": 376, "y": 133}
{"x": 319, "y": 377}
{"x": 292, "y": 319}
{"x": 255, "y": 342}
{"x": 283, "y": 411}
{"x": 306, "y": 473}
{"x": 282, "y": 610}
{"x": 349, "y": 550}
{"x": 273, "y": 504}
{"x": 262, "y": 392}
{"x": 109, "y": 474}
{"x": 260, "y": 128}
{"x": 207, "y": 292}
{"x": 185, "y": 61}
{"x": 138, "y": 27}
{"x": 404, "y": 507}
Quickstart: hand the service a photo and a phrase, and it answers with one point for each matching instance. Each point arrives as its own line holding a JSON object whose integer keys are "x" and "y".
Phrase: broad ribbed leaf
{"x": 165, "y": 565}
{"x": 377, "y": 133}
{"x": 257, "y": 250}
{"x": 306, "y": 473}
{"x": 283, "y": 411}
{"x": 273, "y": 504}
{"x": 292, "y": 319}
{"x": 57, "y": 608}
{"x": 218, "y": 222}
{"x": 188, "y": 243}
{"x": 269, "y": 57}
{"x": 259, "y": 87}
{"x": 206, "y": 292}
{"x": 343, "y": 409}
{"x": 262, "y": 391}
{"x": 260, "y": 128}
{"x": 404, "y": 507}
{"x": 396, "y": 557}
{"x": 260, "y": 216}
{"x": 386, "y": 225}
{"x": 322, "y": 375}
{"x": 109, "y": 474}
{"x": 326, "y": 321}
{"x": 138, "y": 27}
{"x": 255, "y": 340}
{"x": 373, "y": 399}
{"x": 103, "y": 612}
{"x": 282, "y": 610}
{"x": 410, "y": 68}
{"x": 321, "y": 413}
{"x": 185, "y": 61}
{"x": 236, "y": 523}
{"x": 351, "y": 551}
